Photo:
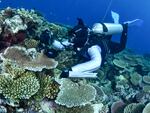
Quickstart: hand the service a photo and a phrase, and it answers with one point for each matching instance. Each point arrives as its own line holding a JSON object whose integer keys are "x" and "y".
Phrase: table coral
{"x": 30, "y": 60}
{"x": 147, "y": 108}
{"x": 73, "y": 94}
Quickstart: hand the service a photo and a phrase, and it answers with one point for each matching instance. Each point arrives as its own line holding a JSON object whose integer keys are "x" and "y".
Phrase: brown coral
{"x": 48, "y": 88}
{"x": 31, "y": 43}
{"x": 28, "y": 59}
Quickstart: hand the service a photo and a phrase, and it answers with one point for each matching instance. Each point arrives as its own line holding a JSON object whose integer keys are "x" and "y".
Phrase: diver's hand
{"x": 65, "y": 73}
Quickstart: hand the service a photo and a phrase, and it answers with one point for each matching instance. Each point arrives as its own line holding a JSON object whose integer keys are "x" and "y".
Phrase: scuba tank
{"x": 107, "y": 28}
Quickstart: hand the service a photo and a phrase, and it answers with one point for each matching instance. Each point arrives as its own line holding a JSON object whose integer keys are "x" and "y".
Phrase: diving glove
{"x": 65, "y": 73}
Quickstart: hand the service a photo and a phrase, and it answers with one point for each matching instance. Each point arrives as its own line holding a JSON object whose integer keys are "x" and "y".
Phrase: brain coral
{"x": 73, "y": 94}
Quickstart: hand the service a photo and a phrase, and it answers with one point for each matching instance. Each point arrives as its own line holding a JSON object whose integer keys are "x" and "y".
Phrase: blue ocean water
{"x": 91, "y": 11}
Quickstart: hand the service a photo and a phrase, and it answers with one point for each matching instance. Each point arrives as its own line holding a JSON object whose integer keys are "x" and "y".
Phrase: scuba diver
{"x": 94, "y": 45}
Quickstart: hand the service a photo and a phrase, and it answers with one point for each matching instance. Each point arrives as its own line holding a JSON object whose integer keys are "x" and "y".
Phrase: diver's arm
{"x": 61, "y": 45}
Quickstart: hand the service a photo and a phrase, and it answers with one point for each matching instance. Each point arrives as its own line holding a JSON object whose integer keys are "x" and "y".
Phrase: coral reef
{"x": 29, "y": 80}
{"x": 67, "y": 60}
{"x": 147, "y": 108}
{"x": 30, "y": 60}
{"x": 118, "y": 107}
{"x": 136, "y": 79}
{"x": 15, "y": 24}
{"x": 134, "y": 108}
{"x": 48, "y": 88}
{"x": 82, "y": 109}
{"x": 73, "y": 94}
{"x": 31, "y": 43}
{"x": 146, "y": 79}
{"x": 23, "y": 87}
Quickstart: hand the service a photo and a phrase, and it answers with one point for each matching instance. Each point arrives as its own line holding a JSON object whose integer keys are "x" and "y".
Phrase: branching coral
{"x": 48, "y": 88}
{"x": 59, "y": 31}
{"x": 30, "y": 60}
{"x": 4, "y": 83}
{"x": 73, "y": 94}
{"x": 31, "y": 43}
{"x": 13, "y": 70}
{"x": 23, "y": 87}
{"x": 29, "y": 15}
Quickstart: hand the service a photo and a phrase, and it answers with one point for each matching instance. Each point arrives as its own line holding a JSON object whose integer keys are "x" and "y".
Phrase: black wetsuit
{"x": 85, "y": 40}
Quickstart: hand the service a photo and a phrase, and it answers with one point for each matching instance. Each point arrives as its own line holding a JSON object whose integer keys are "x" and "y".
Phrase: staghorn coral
{"x": 73, "y": 94}
{"x": 4, "y": 82}
{"x": 23, "y": 87}
{"x": 30, "y": 60}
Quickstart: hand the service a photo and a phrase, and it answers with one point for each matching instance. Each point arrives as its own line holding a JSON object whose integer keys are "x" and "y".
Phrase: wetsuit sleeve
{"x": 118, "y": 47}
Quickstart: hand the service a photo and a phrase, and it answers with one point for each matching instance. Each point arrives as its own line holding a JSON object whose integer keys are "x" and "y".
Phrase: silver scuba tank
{"x": 112, "y": 28}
